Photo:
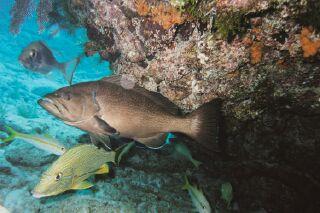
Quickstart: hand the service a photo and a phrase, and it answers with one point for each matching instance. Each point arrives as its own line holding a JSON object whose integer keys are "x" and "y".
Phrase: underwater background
{"x": 148, "y": 182}
{"x": 260, "y": 57}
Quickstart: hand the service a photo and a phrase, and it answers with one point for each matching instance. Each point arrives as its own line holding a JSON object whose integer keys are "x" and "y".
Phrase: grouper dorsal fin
{"x": 159, "y": 99}
{"x": 121, "y": 80}
{"x": 115, "y": 79}
{"x": 156, "y": 97}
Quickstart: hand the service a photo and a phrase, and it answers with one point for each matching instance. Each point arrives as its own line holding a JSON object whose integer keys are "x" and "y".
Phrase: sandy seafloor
{"x": 147, "y": 181}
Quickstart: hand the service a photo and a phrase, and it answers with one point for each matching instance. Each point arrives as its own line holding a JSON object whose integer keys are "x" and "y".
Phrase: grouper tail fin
{"x": 205, "y": 124}
{"x": 68, "y": 68}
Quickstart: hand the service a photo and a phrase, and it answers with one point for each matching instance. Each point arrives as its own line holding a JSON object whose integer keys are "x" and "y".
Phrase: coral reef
{"x": 260, "y": 57}
{"x": 19, "y": 12}
{"x": 44, "y": 8}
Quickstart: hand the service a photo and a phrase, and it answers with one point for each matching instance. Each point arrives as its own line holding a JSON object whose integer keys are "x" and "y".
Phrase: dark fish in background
{"x": 105, "y": 107}
{"x": 39, "y": 58}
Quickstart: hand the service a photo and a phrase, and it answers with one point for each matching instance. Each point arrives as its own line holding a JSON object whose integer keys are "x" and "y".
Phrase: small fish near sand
{"x": 45, "y": 143}
{"x": 105, "y": 107}
{"x": 199, "y": 201}
{"x": 73, "y": 168}
{"x": 37, "y": 57}
{"x": 183, "y": 150}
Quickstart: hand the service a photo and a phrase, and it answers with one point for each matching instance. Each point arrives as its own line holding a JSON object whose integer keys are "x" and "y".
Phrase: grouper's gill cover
{"x": 72, "y": 169}
{"x": 132, "y": 113}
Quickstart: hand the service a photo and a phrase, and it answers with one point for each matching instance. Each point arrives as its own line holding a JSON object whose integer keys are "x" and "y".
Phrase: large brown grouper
{"x": 105, "y": 107}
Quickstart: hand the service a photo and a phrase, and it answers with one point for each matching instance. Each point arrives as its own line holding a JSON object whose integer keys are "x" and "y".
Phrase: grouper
{"x": 105, "y": 107}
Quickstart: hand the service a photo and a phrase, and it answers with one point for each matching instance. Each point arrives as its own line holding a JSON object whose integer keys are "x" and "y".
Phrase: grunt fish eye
{"x": 62, "y": 149}
{"x": 58, "y": 177}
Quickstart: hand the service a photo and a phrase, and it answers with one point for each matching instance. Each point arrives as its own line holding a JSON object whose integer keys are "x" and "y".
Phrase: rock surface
{"x": 261, "y": 57}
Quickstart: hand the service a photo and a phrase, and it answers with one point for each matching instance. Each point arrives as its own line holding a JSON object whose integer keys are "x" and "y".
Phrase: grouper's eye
{"x": 67, "y": 96}
{"x": 32, "y": 53}
{"x": 58, "y": 177}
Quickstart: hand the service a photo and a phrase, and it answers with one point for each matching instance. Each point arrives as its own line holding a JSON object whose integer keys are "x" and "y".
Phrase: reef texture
{"x": 261, "y": 57}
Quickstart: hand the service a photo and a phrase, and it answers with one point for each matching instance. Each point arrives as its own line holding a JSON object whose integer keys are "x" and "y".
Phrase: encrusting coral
{"x": 309, "y": 46}
{"x": 163, "y": 14}
{"x": 256, "y": 52}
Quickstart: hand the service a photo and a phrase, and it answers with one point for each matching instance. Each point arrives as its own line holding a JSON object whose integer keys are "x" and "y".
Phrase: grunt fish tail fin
{"x": 104, "y": 169}
{"x": 206, "y": 123}
{"x": 12, "y": 135}
{"x": 187, "y": 184}
{"x": 68, "y": 68}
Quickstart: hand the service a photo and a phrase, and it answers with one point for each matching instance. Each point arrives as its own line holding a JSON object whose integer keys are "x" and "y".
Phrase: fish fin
{"x": 115, "y": 79}
{"x": 104, "y": 169}
{"x": 12, "y": 135}
{"x": 159, "y": 99}
{"x": 105, "y": 126}
{"x": 154, "y": 142}
{"x": 156, "y": 97}
{"x": 208, "y": 118}
{"x": 187, "y": 184}
{"x": 82, "y": 185}
{"x": 196, "y": 163}
{"x": 69, "y": 68}
{"x": 122, "y": 150}
{"x": 101, "y": 141}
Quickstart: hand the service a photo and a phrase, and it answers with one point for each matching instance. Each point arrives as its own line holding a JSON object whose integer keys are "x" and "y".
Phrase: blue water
{"x": 137, "y": 187}
{"x": 20, "y": 88}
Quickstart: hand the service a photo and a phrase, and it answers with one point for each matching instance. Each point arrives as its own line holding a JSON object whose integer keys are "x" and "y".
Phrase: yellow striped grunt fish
{"x": 73, "y": 168}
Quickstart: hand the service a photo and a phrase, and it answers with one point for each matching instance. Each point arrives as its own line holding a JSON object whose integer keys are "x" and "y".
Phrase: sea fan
{"x": 44, "y": 8}
{"x": 19, "y": 11}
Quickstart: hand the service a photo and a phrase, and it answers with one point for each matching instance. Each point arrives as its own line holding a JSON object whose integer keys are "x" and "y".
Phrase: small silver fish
{"x": 198, "y": 199}
{"x": 183, "y": 150}
{"x": 38, "y": 57}
{"x": 45, "y": 143}
{"x": 227, "y": 193}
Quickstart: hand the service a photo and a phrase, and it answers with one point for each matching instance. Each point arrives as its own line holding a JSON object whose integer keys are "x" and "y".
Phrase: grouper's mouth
{"x": 49, "y": 105}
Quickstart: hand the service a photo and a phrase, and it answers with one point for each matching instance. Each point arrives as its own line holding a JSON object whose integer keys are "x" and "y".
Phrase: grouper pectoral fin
{"x": 82, "y": 185}
{"x": 104, "y": 169}
{"x": 104, "y": 126}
